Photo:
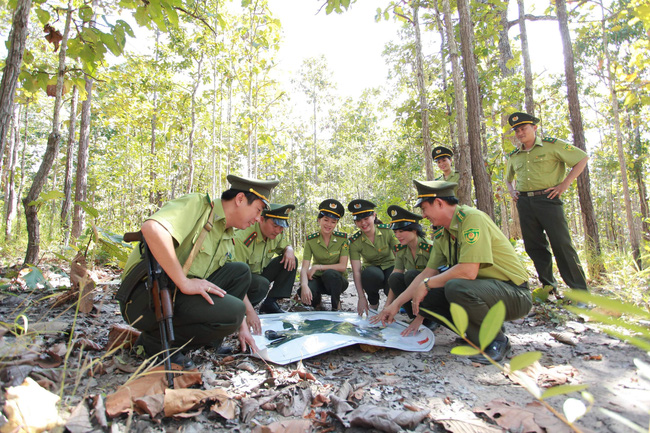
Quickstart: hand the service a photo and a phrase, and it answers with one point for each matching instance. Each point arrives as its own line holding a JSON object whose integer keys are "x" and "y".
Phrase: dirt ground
{"x": 334, "y": 388}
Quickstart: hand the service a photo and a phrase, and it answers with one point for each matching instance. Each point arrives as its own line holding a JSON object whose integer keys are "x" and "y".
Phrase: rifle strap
{"x": 197, "y": 246}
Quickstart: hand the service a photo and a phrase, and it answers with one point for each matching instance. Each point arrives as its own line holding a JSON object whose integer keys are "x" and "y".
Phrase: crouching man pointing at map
{"x": 482, "y": 268}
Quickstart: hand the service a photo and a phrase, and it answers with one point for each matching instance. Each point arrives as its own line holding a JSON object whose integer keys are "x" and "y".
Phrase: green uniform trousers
{"x": 195, "y": 321}
{"x": 274, "y": 273}
{"x": 477, "y": 297}
{"x": 398, "y": 282}
{"x": 539, "y": 215}
{"x": 330, "y": 282}
{"x": 373, "y": 278}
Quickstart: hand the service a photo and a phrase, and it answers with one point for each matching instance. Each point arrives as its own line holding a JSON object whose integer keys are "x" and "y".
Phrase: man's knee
{"x": 457, "y": 291}
{"x": 395, "y": 279}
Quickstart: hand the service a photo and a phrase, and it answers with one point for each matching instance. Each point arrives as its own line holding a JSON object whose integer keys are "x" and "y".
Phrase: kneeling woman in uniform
{"x": 411, "y": 255}
{"x": 329, "y": 250}
{"x": 374, "y": 243}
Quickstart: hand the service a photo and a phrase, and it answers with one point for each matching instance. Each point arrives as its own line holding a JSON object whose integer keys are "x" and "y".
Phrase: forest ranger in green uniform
{"x": 266, "y": 250}
{"x": 374, "y": 242}
{"x": 442, "y": 156}
{"x": 483, "y": 269}
{"x": 411, "y": 254}
{"x": 325, "y": 258}
{"x": 539, "y": 166}
{"x": 208, "y": 302}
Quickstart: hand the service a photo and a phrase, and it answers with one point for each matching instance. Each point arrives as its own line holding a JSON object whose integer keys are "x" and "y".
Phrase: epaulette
{"x": 513, "y": 152}
{"x": 460, "y": 216}
{"x": 249, "y": 240}
{"x": 425, "y": 246}
{"x": 384, "y": 226}
{"x": 549, "y": 139}
{"x": 313, "y": 235}
{"x": 399, "y": 247}
{"x": 341, "y": 234}
{"x": 438, "y": 233}
{"x": 355, "y": 236}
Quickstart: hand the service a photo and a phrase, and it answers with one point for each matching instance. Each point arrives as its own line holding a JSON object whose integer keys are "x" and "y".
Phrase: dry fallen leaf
{"x": 288, "y": 426}
{"x": 564, "y": 337}
{"x": 554, "y": 375}
{"x": 79, "y": 420}
{"x": 87, "y": 344}
{"x": 534, "y": 418}
{"x": 178, "y": 401}
{"x": 386, "y": 420}
{"x": 121, "y": 335}
{"x": 464, "y": 426}
{"x": 30, "y": 405}
{"x": 370, "y": 349}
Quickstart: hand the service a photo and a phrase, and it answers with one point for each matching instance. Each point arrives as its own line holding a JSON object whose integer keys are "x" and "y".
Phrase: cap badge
{"x": 332, "y": 205}
{"x": 357, "y": 206}
{"x": 514, "y": 119}
{"x": 438, "y": 151}
{"x": 393, "y": 213}
{"x": 287, "y": 211}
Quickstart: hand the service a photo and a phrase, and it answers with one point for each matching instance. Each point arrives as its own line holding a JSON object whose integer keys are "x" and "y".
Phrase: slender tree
{"x": 69, "y": 159}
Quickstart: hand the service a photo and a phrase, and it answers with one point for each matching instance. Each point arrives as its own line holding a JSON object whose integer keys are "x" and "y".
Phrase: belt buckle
{"x": 530, "y": 194}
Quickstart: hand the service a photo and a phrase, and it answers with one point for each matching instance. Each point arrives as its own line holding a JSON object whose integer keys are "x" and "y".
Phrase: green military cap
{"x": 361, "y": 208}
{"x": 519, "y": 118}
{"x": 441, "y": 152}
{"x": 401, "y": 218}
{"x": 261, "y": 188}
{"x": 331, "y": 208}
{"x": 279, "y": 213}
{"x": 433, "y": 189}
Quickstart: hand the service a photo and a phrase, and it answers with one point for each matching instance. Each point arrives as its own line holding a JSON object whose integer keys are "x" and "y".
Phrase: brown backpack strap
{"x": 199, "y": 241}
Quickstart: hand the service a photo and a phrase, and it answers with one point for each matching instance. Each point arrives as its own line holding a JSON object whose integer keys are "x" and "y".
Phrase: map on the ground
{"x": 290, "y": 337}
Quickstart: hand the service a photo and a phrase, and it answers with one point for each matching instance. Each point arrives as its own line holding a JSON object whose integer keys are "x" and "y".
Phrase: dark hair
{"x": 231, "y": 193}
{"x": 449, "y": 200}
{"x": 377, "y": 220}
{"x": 414, "y": 227}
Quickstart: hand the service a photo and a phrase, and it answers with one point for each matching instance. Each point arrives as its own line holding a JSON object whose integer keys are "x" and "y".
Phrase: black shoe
{"x": 222, "y": 349}
{"x": 270, "y": 307}
{"x": 497, "y": 350}
{"x": 179, "y": 358}
{"x": 431, "y": 324}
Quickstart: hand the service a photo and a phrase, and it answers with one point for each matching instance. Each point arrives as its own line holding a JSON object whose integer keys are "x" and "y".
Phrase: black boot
{"x": 497, "y": 350}
{"x": 270, "y": 306}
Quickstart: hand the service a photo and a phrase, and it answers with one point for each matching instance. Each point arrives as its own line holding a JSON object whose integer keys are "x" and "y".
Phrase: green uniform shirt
{"x": 184, "y": 219}
{"x": 252, "y": 249}
{"x": 326, "y": 254}
{"x": 474, "y": 238}
{"x": 378, "y": 254}
{"x": 453, "y": 177}
{"x": 404, "y": 260}
{"x": 543, "y": 166}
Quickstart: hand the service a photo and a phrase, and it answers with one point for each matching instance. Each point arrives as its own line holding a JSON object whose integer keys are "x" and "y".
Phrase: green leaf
{"x": 86, "y": 13}
{"x": 459, "y": 315}
{"x": 126, "y": 27}
{"x": 465, "y": 351}
{"x": 442, "y": 319}
{"x": 172, "y": 16}
{"x": 527, "y": 382}
{"x": 562, "y": 389}
{"x": 573, "y": 409}
{"x": 491, "y": 325}
{"x": 540, "y": 294}
{"x": 43, "y": 16}
{"x": 34, "y": 278}
{"x": 524, "y": 360}
{"x": 606, "y": 303}
{"x": 88, "y": 208}
{"x": 626, "y": 422}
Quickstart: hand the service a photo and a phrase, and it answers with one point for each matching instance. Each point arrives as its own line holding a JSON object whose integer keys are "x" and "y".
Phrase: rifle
{"x": 158, "y": 286}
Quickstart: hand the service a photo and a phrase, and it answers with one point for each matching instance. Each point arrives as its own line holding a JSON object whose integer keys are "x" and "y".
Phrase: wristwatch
{"x": 426, "y": 283}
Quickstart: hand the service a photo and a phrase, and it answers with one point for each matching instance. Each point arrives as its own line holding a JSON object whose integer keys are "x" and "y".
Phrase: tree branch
{"x": 528, "y": 17}
{"x": 196, "y": 17}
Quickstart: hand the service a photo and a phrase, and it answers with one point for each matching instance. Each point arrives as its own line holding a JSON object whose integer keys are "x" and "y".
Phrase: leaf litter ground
{"x": 358, "y": 388}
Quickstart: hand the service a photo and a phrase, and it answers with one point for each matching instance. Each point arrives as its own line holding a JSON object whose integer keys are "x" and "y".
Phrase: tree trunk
{"x": 69, "y": 155}
{"x": 637, "y": 170}
{"x": 584, "y": 183}
{"x": 51, "y": 152}
{"x": 17, "y": 38}
{"x": 482, "y": 182}
{"x": 525, "y": 54}
{"x": 10, "y": 190}
{"x": 190, "y": 153}
{"x": 631, "y": 225}
{"x": 422, "y": 91}
{"x": 81, "y": 180}
{"x": 154, "y": 193}
{"x": 445, "y": 81}
{"x": 463, "y": 161}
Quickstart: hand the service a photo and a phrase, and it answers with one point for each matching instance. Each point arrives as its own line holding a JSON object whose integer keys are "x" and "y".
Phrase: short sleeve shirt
{"x": 380, "y": 253}
{"x": 473, "y": 237}
{"x": 184, "y": 219}
{"x": 257, "y": 252}
{"x": 543, "y": 166}
{"x": 405, "y": 261}
{"x": 322, "y": 254}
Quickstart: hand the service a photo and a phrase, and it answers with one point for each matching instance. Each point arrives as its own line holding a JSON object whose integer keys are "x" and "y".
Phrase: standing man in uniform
{"x": 208, "y": 300}
{"x": 483, "y": 269}
{"x": 266, "y": 250}
{"x": 536, "y": 178}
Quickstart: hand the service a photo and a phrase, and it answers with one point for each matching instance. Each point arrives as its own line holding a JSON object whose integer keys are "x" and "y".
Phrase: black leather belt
{"x": 533, "y": 193}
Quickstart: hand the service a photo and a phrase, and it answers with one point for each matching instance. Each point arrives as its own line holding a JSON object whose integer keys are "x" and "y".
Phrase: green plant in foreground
{"x": 573, "y": 408}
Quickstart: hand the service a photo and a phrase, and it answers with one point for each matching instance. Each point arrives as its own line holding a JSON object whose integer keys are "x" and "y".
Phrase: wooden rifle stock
{"x": 158, "y": 285}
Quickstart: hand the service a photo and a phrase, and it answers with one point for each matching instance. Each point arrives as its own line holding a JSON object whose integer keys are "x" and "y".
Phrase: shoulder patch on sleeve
{"x": 341, "y": 234}
{"x": 549, "y": 139}
{"x": 355, "y": 236}
{"x": 425, "y": 246}
{"x": 313, "y": 235}
{"x": 249, "y": 240}
{"x": 384, "y": 226}
{"x": 438, "y": 233}
{"x": 398, "y": 247}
